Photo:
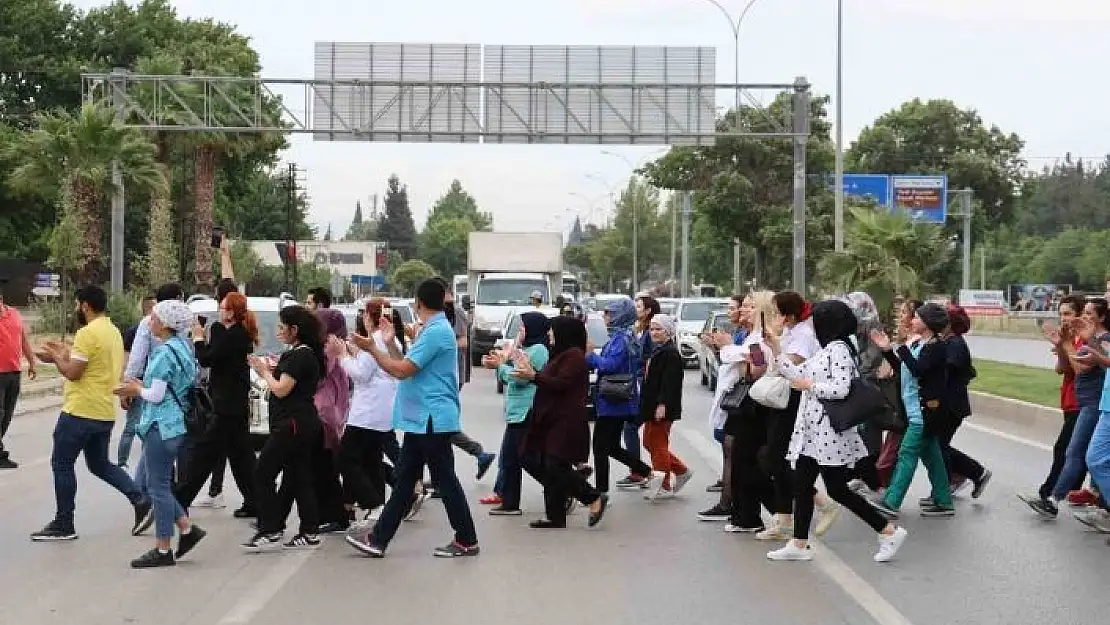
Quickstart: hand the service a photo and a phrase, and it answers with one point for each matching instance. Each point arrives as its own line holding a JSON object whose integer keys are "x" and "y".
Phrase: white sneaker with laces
{"x": 791, "y": 552}
{"x": 209, "y": 501}
{"x": 889, "y": 545}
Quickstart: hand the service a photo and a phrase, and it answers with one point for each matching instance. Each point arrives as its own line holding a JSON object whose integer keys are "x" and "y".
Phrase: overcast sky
{"x": 1026, "y": 67}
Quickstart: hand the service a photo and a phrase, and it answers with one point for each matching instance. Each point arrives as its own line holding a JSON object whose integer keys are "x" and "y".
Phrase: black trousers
{"x": 9, "y": 394}
{"x": 288, "y": 451}
{"x": 1059, "y": 455}
{"x": 324, "y": 473}
{"x": 560, "y": 482}
{"x": 752, "y": 489}
{"x": 607, "y": 444}
{"x": 836, "y": 485}
{"x": 361, "y": 464}
{"x": 957, "y": 462}
{"x": 780, "y": 427}
{"x": 228, "y": 436}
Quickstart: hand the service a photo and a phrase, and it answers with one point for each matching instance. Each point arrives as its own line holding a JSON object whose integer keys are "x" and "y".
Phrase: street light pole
{"x": 838, "y": 210}
{"x": 735, "y": 26}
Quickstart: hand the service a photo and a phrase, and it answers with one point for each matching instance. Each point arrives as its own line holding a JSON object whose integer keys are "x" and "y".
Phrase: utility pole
{"x": 118, "y": 83}
{"x": 290, "y": 233}
{"x": 801, "y": 127}
{"x": 983, "y": 267}
{"x": 687, "y": 214}
{"x": 674, "y": 237}
{"x": 965, "y": 204}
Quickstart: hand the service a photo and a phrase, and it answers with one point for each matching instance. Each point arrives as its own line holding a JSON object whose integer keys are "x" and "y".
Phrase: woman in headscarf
{"x": 165, "y": 390}
{"x": 961, "y": 467}
{"x": 661, "y": 406}
{"x": 923, "y": 374}
{"x": 816, "y": 449}
{"x": 519, "y": 394}
{"x": 558, "y": 433}
{"x": 333, "y": 400}
{"x": 646, "y": 308}
{"x": 620, "y": 358}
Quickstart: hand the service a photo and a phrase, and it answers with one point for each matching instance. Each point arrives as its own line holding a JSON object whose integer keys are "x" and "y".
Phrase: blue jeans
{"x": 1098, "y": 456}
{"x": 719, "y": 435}
{"x": 433, "y": 450}
{"x": 1075, "y": 459}
{"x": 72, "y": 437}
{"x": 631, "y": 434}
{"x": 160, "y": 455}
{"x": 134, "y": 413}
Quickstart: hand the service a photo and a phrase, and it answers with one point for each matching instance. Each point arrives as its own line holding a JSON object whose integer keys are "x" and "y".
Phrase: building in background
{"x": 362, "y": 264}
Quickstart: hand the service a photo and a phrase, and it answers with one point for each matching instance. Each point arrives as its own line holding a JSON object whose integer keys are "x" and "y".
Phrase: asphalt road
{"x": 1018, "y": 351}
{"x": 649, "y": 564}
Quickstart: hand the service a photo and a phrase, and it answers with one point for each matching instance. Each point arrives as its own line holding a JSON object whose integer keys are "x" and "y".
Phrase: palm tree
{"x": 886, "y": 255}
{"x": 74, "y": 153}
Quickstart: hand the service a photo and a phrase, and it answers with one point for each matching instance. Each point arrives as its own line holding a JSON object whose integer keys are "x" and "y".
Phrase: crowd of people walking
{"x": 806, "y": 391}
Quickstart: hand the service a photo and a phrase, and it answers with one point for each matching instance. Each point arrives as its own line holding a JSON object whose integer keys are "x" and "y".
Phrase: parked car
{"x": 265, "y": 310}
{"x": 667, "y": 305}
{"x": 709, "y": 358}
{"x": 692, "y": 314}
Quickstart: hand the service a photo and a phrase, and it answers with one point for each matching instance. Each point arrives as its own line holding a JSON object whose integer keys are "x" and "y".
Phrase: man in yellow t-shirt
{"x": 92, "y": 369}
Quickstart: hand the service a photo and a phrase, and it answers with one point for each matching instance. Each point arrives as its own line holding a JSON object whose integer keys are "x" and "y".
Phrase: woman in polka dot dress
{"x": 816, "y": 449}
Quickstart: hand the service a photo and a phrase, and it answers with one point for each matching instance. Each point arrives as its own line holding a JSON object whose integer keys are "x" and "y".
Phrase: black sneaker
{"x": 364, "y": 546}
{"x": 632, "y": 481}
{"x": 304, "y": 541}
{"x": 263, "y": 542}
{"x": 485, "y": 461}
{"x": 1047, "y": 508}
{"x": 245, "y": 513}
{"x": 333, "y": 527}
{"x": 144, "y": 517}
{"x": 888, "y": 513}
{"x": 186, "y": 543}
{"x": 935, "y": 510}
{"x": 716, "y": 513}
{"x": 981, "y": 485}
{"x": 153, "y": 559}
{"x": 503, "y": 511}
{"x": 715, "y": 487}
{"x": 54, "y": 531}
{"x": 454, "y": 549}
{"x": 8, "y": 463}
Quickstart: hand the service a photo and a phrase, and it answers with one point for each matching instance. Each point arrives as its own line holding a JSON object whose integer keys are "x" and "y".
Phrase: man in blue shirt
{"x": 427, "y": 410}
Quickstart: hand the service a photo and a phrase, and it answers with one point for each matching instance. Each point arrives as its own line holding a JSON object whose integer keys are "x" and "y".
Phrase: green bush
{"x": 53, "y": 316}
{"x": 124, "y": 308}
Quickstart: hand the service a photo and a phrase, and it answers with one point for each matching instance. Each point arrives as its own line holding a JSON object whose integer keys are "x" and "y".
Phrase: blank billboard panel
{"x": 600, "y": 94}
{"x": 443, "y": 105}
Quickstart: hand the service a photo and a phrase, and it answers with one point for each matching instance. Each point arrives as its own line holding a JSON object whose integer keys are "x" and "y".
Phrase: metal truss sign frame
{"x": 432, "y": 93}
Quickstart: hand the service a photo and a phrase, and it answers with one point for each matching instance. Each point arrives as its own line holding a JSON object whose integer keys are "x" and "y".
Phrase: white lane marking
{"x": 864, "y": 594}
{"x": 266, "y": 587}
{"x": 1006, "y": 435}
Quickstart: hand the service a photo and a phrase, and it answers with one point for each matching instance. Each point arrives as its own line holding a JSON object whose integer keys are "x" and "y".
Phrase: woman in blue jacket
{"x": 619, "y": 361}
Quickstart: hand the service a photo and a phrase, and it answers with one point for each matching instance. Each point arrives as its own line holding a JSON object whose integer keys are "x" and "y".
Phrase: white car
{"x": 265, "y": 310}
{"x": 692, "y": 314}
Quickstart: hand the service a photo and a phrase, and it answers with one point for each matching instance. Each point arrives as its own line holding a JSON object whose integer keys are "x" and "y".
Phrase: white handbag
{"x": 771, "y": 390}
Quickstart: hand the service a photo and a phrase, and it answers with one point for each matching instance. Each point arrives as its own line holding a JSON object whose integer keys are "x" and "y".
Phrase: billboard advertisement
{"x": 983, "y": 301}
{"x": 1038, "y": 298}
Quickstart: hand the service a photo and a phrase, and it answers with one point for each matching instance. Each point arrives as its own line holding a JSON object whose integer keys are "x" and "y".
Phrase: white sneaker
{"x": 680, "y": 481}
{"x": 889, "y": 545}
{"x": 826, "y": 516}
{"x": 209, "y": 501}
{"x": 791, "y": 553}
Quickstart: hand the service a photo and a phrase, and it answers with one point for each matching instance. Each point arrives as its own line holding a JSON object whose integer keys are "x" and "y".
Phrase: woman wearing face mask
{"x": 519, "y": 395}
{"x": 816, "y": 449}
{"x": 925, "y": 396}
{"x": 619, "y": 357}
{"x": 294, "y": 431}
{"x": 558, "y": 434}
{"x": 661, "y": 406}
{"x": 729, "y": 371}
{"x": 165, "y": 390}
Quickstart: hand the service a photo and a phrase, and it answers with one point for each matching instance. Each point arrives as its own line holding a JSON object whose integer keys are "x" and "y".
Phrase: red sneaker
{"x": 1082, "y": 498}
{"x": 491, "y": 500}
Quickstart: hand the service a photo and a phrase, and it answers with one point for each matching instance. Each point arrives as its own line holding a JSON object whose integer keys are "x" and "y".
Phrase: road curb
{"x": 1013, "y": 410}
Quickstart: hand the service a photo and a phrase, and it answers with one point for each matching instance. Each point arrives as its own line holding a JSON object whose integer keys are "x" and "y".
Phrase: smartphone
{"x": 387, "y": 312}
{"x": 217, "y": 237}
{"x": 756, "y": 352}
{"x": 202, "y": 320}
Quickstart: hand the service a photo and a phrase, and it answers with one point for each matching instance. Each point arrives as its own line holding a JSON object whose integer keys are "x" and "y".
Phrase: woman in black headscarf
{"x": 519, "y": 393}
{"x": 558, "y": 434}
{"x": 816, "y": 449}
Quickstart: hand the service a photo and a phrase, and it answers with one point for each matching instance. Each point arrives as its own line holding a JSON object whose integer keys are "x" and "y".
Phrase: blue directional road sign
{"x": 875, "y": 187}
{"x": 923, "y": 198}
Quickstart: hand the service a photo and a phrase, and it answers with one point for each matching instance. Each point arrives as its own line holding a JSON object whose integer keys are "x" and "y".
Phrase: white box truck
{"x": 504, "y": 269}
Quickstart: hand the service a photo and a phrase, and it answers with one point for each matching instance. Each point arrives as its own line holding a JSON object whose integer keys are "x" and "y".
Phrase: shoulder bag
{"x": 771, "y": 390}
{"x": 619, "y": 387}
{"x": 864, "y": 403}
{"x": 197, "y": 404}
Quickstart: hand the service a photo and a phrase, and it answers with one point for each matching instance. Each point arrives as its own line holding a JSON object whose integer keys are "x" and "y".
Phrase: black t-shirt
{"x": 225, "y": 355}
{"x": 301, "y": 365}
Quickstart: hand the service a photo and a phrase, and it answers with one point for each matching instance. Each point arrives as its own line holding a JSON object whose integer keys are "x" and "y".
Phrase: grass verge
{"x": 1031, "y": 384}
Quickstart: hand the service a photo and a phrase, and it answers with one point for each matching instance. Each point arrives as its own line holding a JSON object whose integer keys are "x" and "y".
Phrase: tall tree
{"x": 457, "y": 203}
{"x": 396, "y": 226}
{"x": 77, "y": 151}
{"x": 361, "y": 229}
